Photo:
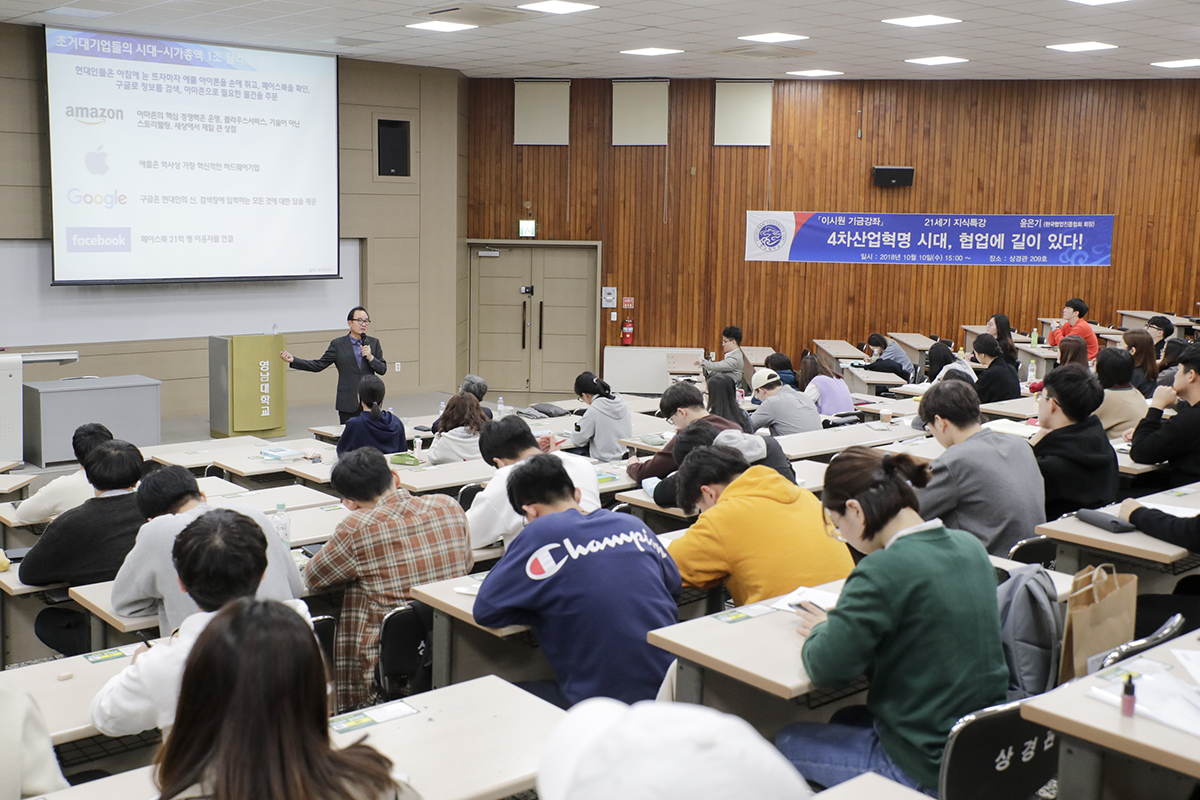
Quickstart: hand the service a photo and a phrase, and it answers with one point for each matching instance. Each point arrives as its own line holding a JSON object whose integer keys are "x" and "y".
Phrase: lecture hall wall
{"x": 672, "y": 219}
{"x": 412, "y": 235}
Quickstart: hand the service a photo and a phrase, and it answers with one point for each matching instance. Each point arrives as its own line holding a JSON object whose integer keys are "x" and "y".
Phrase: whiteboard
{"x": 35, "y": 314}
{"x": 643, "y": 370}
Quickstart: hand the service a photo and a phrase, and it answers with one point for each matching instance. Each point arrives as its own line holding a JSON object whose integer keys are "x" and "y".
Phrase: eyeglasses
{"x": 1149, "y": 327}
{"x": 366, "y": 321}
{"x": 671, "y": 418}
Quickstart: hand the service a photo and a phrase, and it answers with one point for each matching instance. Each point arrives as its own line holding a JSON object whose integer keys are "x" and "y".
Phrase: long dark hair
{"x": 1004, "y": 336}
{"x": 811, "y": 367}
{"x": 881, "y": 483}
{"x": 1172, "y": 350}
{"x": 939, "y": 357}
{"x": 371, "y": 393}
{"x": 253, "y": 721}
{"x": 722, "y": 401}
{"x": 588, "y": 383}
{"x": 1142, "y": 347}
{"x": 463, "y": 411}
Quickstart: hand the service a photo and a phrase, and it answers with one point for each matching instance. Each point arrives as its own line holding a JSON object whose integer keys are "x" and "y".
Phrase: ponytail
{"x": 883, "y": 484}
{"x": 370, "y": 394}
{"x": 376, "y": 411}
{"x": 588, "y": 383}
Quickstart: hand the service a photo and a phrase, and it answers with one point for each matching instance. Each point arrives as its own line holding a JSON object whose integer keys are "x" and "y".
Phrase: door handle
{"x": 541, "y": 321}
{"x": 524, "y": 314}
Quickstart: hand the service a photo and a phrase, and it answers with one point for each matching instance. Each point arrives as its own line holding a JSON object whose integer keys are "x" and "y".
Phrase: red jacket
{"x": 1081, "y": 329}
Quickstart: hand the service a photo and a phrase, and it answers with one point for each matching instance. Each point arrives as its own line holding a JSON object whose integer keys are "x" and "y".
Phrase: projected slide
{"x": 182, "y": 161}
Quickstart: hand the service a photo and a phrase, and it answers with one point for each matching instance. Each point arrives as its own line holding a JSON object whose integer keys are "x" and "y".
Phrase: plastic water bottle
{"x": 501, "y": 409}
{"x": 1032, "y": 370}
{"x": 282, "y": 523}
{"x": 1033, "y": 336}
{"x": 275, "y": 330}
{"x": 441, "y": 409}
{"x": 417, "y": 446}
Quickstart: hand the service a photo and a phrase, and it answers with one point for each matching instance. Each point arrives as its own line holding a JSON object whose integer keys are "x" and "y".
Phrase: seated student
{"x": 374, "y": 427}
{"x": 1175, "y": 440}
{"x": 942, "y": 362}
{"x": 999, "y": 381}
{"x": 392, "y": 542}
{"x": 472, "y": 384}
{"x": 758, "y": 533}
{"x": 88, "y": 543}
{"x": 30, "y": 766}
{"x": 1123, "y": 406}
{"x": 1145, "y": 362}
{"x": 757, "y": 450}
{"x": 1071, "y": 350}
{"x": 458, "y": 439}
{"x": 783, "y": 410}
{"x": 603, "y": 748}
{"x": 1169, "y": 364}
{"x": 505, "y": 443}
{"x": 69, "y": 491}
{"x": 889, "y": 357}
{"x": 253, "y": 718}
{"x": 147, "y": 583}
{"x": 1001, "y": 328}
{"x": 219, "y": 556}
{"x": 590, "y": 584}
{"x": 733, "y": 363}
{"x": 1073, "y": 323}
{"x": 1160, "y": 329}
{"x": 605, "y": 421}
{"x": 1078, "y": 464}
{"x": 722, "y": 401}
{"x": 681, "y": 405}
{"x": 783, "y": 365}
{"x": 918, "y": 615}
{"x": 986, "y": 483}
{"x": 1180, "y": 531}
{"x": 823, "y": 386}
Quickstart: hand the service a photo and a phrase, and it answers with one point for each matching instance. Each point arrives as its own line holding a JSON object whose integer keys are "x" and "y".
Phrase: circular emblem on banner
{"x": 769, "y": 235}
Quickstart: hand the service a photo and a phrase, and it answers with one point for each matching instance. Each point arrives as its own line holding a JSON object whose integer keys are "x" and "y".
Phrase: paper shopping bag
{"x": 1100, "y": 616}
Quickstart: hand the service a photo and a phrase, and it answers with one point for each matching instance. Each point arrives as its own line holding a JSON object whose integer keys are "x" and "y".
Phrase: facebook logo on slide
{"x": 98, "y": 240}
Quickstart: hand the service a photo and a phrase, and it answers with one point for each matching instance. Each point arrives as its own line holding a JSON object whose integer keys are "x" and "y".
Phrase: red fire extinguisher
{"x": 627, "y": 331}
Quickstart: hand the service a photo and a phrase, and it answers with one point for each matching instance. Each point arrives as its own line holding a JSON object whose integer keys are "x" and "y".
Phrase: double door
{"x": 534, "y": 323}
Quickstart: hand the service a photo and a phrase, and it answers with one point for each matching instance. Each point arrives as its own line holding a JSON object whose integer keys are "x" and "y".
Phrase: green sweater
{"x": 920, "y": 620}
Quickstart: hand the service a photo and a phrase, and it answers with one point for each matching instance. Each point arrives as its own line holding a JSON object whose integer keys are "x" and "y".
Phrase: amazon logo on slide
{"x": 541, "y": 564}
{"x": 92, "y": 115}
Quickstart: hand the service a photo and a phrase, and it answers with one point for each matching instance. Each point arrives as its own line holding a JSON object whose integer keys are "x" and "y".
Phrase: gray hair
{"x": 475, "y": 385}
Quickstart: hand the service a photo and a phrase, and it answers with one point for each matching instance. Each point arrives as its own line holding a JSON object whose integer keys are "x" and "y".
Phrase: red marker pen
{"x": 1128, "y": 700}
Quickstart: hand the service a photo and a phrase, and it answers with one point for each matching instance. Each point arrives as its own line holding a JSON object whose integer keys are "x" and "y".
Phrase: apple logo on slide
{"x": 97, "y": 161}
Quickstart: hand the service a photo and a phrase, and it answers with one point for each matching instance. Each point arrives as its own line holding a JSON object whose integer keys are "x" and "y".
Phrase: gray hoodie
{"x": 787, "y": 411}
{"x": 603, "y": 423}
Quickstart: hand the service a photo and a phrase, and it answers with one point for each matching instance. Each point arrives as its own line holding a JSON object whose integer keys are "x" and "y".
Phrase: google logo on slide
{"x": 107, "y": 200}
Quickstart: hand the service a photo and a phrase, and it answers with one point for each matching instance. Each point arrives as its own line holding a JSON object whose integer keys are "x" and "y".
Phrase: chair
{"x": 466, "y": 495}
{"x": 405, "y": 665}
{"x": 841, "y": 420}
{"x": 1035, "y": 550}
{"x": 325, "y": 627}
{"x": 1169, "y": 630}
{"x": 622, "y": 508}
{"x": 994, "y": 754}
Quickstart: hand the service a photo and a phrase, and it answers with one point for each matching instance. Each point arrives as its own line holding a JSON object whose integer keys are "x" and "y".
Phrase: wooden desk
{"x": 1044, "y": 359}
{"x": 151, "y": 452}
{"x": 445, "y": 476}
{"x": 265, "y": 500}
{"x": 613, "y": 478}
{"x": 248, "y": 462}
{"x": 1111, "y": 339}
{"x": 869, "y": 786}
{"x": 5, "y": 466}
{"x": 758, "y": 355}
{"x": 640, "y": 499}
{"x": 17, "y": 485}
{"x": 1048, "y": 322}
{"x": 637, "y": 404}
{"x": 1020, "y": 408}
{"x": 833, "y": 351}
{"x": 12, "y": 587}
{"x": 216, "y": 487}
{"x": 911, "y": 389}
{"x": 915, "y": 346}
{"x": 1090, "y": 729}
{"x": 863, "y": 380}
{"x": 1138, "y": 319}
{"x": 810, "y": 475}
{"x": 825, "y": 442}
{"x": 96, "y": 598}
{"x": 683, "y": 363}
{"x": 66, "y": 704}
{"x": 329, "y": 434}
{"x": 971, "y": 331}
{"x": 316, "y": 525}
{"x": 645, "y": 443}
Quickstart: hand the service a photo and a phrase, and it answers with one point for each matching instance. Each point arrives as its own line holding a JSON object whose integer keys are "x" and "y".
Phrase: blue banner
{"x": 992, "y": 239}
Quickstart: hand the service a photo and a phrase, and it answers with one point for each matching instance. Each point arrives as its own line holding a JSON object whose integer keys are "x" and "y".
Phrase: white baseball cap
{"x": 604, "y": 749}
{"x": 762, "y": 377}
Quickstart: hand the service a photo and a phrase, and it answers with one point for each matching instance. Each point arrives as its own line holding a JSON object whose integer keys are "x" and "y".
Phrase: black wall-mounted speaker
{"x": 892, "y": 176}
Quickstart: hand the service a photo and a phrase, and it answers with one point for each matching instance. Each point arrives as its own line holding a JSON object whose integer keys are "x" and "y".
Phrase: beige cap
{"x": 762, "y": 377}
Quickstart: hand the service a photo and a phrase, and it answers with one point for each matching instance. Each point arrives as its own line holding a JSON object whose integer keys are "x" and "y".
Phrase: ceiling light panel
{"x": 441, "y": 27}
{"x": 1097, "y": 2}
{"x": 1187, "y": 62}
{"x": 923, "y": 21}
{"x": 772, "y": 38}
{"x": 557, "y": 7}
{"x": 1081, "y": 47}
{"x": 650, "y": 51}
{"x": 815, "y": 73}
{"x": 935, "y": 61}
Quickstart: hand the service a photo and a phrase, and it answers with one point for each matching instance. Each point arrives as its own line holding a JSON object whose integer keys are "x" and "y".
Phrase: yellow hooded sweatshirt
{"x": 766, "y": 535}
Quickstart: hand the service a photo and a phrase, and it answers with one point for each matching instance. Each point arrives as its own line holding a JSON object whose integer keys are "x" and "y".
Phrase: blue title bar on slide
{"x": 992, "y": 239}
